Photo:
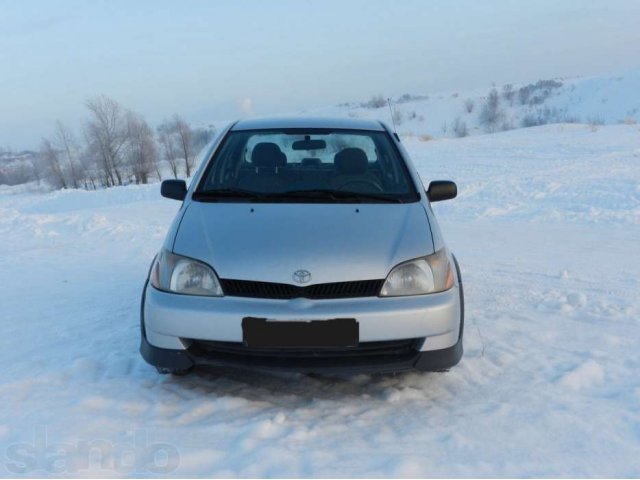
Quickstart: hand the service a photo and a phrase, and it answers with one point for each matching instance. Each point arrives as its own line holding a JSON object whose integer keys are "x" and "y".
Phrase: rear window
{"x": 299, "y": 165}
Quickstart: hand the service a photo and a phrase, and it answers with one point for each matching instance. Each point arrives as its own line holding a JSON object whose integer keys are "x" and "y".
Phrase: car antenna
{"x": 393, "y": 121}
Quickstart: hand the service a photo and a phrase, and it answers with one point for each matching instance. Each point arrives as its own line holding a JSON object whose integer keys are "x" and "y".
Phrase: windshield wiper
{"x": 217, "y": 193}
{"x": 338, "y": 195}
{"x": 317, "y": 193}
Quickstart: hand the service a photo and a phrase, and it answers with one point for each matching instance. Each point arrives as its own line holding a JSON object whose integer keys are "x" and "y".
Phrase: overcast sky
{"x": 217, "y": 60}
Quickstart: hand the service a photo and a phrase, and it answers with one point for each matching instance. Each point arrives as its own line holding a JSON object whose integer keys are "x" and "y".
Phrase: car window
{"x": 306, "y": 163}
{"x": 335, "y": 142}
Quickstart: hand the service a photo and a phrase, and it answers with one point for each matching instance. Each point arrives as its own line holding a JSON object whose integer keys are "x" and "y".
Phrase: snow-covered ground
{"x": 547, "y": 230}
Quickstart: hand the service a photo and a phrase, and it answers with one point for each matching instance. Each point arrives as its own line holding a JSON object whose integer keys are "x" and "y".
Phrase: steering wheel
{"x": 372, "y": 184}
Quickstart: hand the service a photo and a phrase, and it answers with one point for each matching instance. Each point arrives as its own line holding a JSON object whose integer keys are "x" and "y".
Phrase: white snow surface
{"x": 547, "y": 231}
{"x": 607, "y": 99}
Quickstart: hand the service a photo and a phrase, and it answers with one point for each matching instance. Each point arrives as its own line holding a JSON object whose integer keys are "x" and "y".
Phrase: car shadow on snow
{"x": 258, "y": 384}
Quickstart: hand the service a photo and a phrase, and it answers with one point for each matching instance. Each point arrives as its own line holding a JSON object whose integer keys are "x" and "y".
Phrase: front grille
{"x": 248, "y": 288}
{"x": 388, "y": 348}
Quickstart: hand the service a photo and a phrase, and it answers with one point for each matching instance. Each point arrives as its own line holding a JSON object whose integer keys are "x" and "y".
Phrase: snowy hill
{"x": 546, "y": 229}
{"x": 592, "y": 100}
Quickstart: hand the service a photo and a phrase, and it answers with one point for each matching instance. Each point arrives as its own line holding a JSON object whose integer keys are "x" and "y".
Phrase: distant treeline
{"x": 115, "y": 147}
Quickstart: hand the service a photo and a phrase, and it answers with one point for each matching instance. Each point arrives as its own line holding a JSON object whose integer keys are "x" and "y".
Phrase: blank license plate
{"x": 339, "y": 332}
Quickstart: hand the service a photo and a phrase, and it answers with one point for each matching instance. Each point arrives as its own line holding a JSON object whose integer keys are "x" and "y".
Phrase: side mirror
{"x": 441, "y": 190}
{"x": 176, "y": 189}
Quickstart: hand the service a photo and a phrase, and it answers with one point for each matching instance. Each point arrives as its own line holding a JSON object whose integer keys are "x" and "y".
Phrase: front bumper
{"x": 435, "y": 360}
{"x": 175, "y": 328}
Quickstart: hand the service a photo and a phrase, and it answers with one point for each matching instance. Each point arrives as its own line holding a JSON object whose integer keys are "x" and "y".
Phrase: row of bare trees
{"x": 117, "y": 147}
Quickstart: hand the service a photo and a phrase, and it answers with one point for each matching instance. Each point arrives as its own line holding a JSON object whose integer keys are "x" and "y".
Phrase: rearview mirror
{"x": 308, "y": 144}
{"x": 441, "y": 190}
{"x": 175, "y": 189}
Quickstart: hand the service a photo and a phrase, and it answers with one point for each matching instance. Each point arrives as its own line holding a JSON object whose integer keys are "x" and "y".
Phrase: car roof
{"x": 308, "y": 122}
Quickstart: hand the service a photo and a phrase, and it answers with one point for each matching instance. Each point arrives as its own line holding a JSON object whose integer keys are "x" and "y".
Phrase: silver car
{"x": 309, "y": 245}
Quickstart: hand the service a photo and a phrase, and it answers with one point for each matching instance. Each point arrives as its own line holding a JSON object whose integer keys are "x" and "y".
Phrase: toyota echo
{"x": 307, "y": 245}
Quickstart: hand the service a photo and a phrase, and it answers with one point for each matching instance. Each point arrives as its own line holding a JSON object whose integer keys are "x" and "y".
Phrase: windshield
{"x": 307, "y": 165}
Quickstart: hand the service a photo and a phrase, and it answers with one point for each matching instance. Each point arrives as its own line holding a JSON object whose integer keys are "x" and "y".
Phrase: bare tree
{"x": 460, "y": 128}
{"x": 87, "y": 161}
{"x": 169, "y": 150}
{"x": 141, "y": 148}
{"x": 468, "y": 105}
{"x": 185, "y": 138}
{"x": 156, "y": 166}
{"x": 35, "y": 165}
{"x": 51, "y": 159}
{"x": 491, "y": 115}
{"x": 65, "y": 142}
{"x": 177, "y": 140}
{"x": 508, "y": 93}
{"x": 106, "y": 135}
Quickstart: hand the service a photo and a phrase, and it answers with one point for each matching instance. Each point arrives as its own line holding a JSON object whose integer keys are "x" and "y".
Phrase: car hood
{"x": 335, "y": 242}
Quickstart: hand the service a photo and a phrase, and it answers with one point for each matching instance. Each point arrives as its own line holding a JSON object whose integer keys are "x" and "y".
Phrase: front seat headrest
{"x": 267, "y": 154}
{"x": 351, "y": 161}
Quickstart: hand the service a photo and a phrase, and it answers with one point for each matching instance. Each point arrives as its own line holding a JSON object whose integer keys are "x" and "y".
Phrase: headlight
{"x": 429, "y": 274}
{"x": 177, "y": 274}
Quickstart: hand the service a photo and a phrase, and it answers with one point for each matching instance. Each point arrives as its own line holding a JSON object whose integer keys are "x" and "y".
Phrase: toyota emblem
{"x": 301, "y": 276}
